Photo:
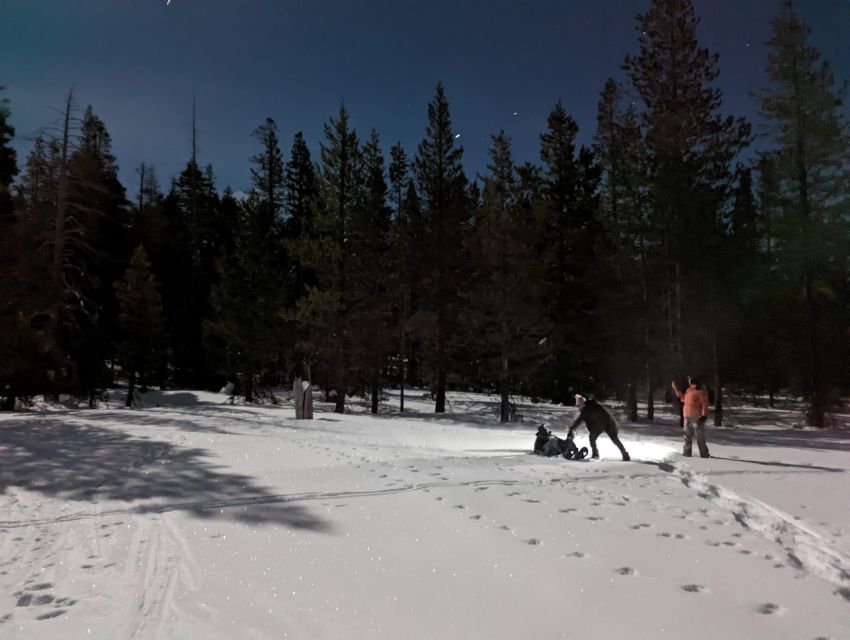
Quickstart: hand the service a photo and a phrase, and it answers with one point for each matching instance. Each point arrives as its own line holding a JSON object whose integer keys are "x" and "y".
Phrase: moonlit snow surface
{"x": 193, "y": 518}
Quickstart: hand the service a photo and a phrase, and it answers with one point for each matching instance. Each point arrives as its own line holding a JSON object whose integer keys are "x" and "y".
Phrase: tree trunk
{"x": 249, "y": 387}
{"x": 650, "y": 394}
{"x": 131, "y": 388}
{"x": 631, "y": 402}
{"x": 441, "y": 392}
{"x": 817, "y": 403}
{"x": 61, "y": 194}
{"x": 339, "y": 407}
{"x": 375, "y": 394}
{"x": 401, "y": 358}
{"x": 718, "y": 388}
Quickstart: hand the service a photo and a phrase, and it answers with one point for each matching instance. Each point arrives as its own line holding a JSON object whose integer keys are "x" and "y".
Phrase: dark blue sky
{"x": 504, "y": 65}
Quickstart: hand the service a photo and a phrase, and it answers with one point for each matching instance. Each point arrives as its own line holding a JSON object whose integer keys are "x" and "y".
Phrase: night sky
{"x": 504, "y": 65}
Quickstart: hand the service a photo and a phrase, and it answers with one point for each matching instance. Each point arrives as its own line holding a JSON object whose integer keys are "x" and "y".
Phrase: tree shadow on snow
{"x": 87, "y": 463}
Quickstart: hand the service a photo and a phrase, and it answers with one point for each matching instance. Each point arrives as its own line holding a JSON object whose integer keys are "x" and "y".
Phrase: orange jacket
{"x": 695, "y": 401}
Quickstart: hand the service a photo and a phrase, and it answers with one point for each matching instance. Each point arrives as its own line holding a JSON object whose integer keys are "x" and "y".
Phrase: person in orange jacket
{"x": 695, "y": 401}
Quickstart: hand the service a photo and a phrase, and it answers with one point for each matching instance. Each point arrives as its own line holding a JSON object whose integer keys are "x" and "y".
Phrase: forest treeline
{"x": 656, "y": 251}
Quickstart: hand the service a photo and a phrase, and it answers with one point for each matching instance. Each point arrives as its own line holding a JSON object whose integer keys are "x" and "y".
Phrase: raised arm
{"x": 678, "y": 393}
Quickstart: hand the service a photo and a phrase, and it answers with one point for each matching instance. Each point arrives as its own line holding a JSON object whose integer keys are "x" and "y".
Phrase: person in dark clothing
{"x": 547, "y": 444}
{"x": 598, "y": 420}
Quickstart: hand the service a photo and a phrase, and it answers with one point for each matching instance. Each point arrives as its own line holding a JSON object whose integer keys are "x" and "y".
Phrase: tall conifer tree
{"x": 570, "y": 182}
{"x": 8, "y": 161}
{"x": 504, "y": 296}
{"x": 690, "y": 148}
{"x": 325, "y": 313}
{"x": 140, "y": 319}
{"x": 442, "y": 186}
{"x": 812, "y": 231}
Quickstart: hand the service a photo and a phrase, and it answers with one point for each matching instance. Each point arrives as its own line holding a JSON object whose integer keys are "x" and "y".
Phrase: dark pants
{"x": 694, "y": 425}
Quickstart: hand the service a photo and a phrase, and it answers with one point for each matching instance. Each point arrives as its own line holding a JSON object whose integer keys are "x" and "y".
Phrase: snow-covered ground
{"x": 192, "y": 518}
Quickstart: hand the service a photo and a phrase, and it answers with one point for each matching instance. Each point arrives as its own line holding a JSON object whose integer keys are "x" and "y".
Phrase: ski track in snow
{"x": 806, "y": 549}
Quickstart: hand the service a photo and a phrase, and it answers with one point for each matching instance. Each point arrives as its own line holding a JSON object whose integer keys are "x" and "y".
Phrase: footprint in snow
{"x": 533, "y": 542}
{"x": 481, "y": 488}
{"x": 567, "y": 510}
{"x": 504, "y": 527}
{"x": 843, "y": 592}
{"x": 475, "y": 517}
{"x": 694, "y": 588}
{"x": 460, "y": 506}
{"x": 595, "y": 518}
{"x": 531, "y": 500}
{"x": 769, "y": 608}
{"x": 576, "y": 554}
{"x": 51, "y": 614}
{"x": 626, "y": 571}
{"x": 642, "y": 525}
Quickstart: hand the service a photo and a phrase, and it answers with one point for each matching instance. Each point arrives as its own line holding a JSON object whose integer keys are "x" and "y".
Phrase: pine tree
{"x": 369, "y": 283}
{"x": 96, "y": 202}
{"x": 690, "y": 148}
{"x": 628, "y": 252}
{"x": 504, "y": 296}
{"x": 140, "y": 319}
{"x": 8, "y": 162}
{"x": 414, "y": 228}
{"x": 246, "y": 331}
{"x": 325, "y": 314}
{"x": 193, "y": 243}
{"x": 570, "y": 230}
{"x": 35, "y": 187}
{"x": 442, "y": 185}
{"x": 267, "y": 174}
{"x": 300, "y": 193}
{"x": 13, "y": 329}
{"x": 399, "y": 171}
{"x": 812, "y": 231}
{"x": 300, "y": 188}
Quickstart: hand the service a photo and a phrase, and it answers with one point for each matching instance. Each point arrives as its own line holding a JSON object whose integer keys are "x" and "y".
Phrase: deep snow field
{"x": 193, "y": 518}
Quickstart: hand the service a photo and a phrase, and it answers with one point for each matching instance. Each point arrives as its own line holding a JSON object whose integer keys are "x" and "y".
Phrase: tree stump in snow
{"x": 302, "y": 395}
{"x": 298, "y": 398}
